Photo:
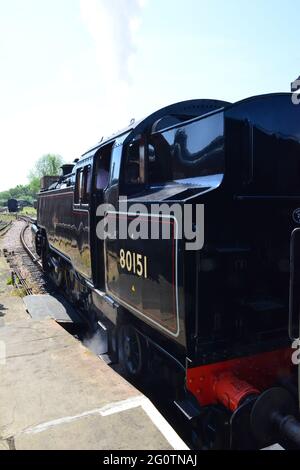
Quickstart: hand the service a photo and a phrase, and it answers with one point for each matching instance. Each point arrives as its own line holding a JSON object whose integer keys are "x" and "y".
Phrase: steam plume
{"x": 112, "y": 24}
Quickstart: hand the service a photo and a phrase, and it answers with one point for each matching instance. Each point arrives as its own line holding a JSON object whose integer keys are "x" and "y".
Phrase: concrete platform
{"x": 12, "y": 309}
{"x": 41, "y": 307}
{"x": 55, "y": 394}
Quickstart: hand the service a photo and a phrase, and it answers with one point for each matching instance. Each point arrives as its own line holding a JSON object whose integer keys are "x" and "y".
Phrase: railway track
{"x": 4, "y": 227}
{"x": 34, "y": 266}
{"x": 26, "y": 268}
{"x": 26, "y": 247}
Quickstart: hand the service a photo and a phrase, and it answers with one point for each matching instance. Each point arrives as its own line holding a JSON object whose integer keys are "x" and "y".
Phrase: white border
{"x": 155, "y": 416}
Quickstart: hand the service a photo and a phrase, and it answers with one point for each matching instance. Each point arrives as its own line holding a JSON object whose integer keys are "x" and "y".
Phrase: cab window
{"x": 133, "y": 172}
{"x": 194, "y": 149}
{"x": 103, "y": 167}
{"x": 83, "y": 185}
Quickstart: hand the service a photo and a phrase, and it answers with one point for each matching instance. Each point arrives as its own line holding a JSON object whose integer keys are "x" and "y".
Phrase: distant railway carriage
{"x": 12, "y": 205}
{"x": 215, "y": 319}
{"x": 22, "y": 204}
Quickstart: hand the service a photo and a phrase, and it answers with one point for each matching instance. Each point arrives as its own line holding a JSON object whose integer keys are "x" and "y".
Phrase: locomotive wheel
{"x": 56, "y": 277}
{"x": 54, "y": 270}
{"x": 132, "y": 352}
{"x": 210, "y": 432}
{"x": 50, "y": 266}
{"x": 44, "y": 255}
{"x": 70, "y": 283}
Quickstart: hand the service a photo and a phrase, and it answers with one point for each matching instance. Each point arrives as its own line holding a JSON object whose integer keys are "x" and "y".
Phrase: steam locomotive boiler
{"x": 218, "y": 319}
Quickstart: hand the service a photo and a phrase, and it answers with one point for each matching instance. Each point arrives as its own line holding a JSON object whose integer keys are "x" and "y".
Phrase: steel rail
{"x": 30, "y": 253}
{"x": 4, "y": 228}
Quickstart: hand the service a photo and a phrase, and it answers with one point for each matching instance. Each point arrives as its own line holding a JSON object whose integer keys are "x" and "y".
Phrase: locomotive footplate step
{"x": 41, "y": 307}
{"x": 55, "y": 394}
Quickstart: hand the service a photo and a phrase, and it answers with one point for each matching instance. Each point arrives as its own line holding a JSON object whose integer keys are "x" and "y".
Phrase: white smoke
{"x": 114, "y": 25}
{"x": 97, "y": 343}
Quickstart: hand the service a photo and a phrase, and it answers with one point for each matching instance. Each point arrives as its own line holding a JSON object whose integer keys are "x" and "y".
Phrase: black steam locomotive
{"x": 213, "y": 319}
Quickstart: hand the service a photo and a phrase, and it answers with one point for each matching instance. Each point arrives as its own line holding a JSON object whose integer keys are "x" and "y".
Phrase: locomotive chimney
{"x": 67, "y": 169}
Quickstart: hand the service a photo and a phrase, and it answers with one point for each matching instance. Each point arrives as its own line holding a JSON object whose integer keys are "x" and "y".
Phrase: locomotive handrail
{"x": 294, "y": 299}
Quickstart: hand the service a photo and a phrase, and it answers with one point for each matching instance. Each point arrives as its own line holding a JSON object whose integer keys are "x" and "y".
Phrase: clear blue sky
{"x": 73, "y": 70}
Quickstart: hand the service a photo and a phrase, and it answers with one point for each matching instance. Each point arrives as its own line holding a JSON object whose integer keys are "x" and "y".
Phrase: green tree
{"x": 34, "y": 185}
{"x": 47, "y": 165}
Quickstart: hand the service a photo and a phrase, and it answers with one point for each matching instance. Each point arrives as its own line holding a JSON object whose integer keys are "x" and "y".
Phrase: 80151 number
{"x": 134, "y": 263}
